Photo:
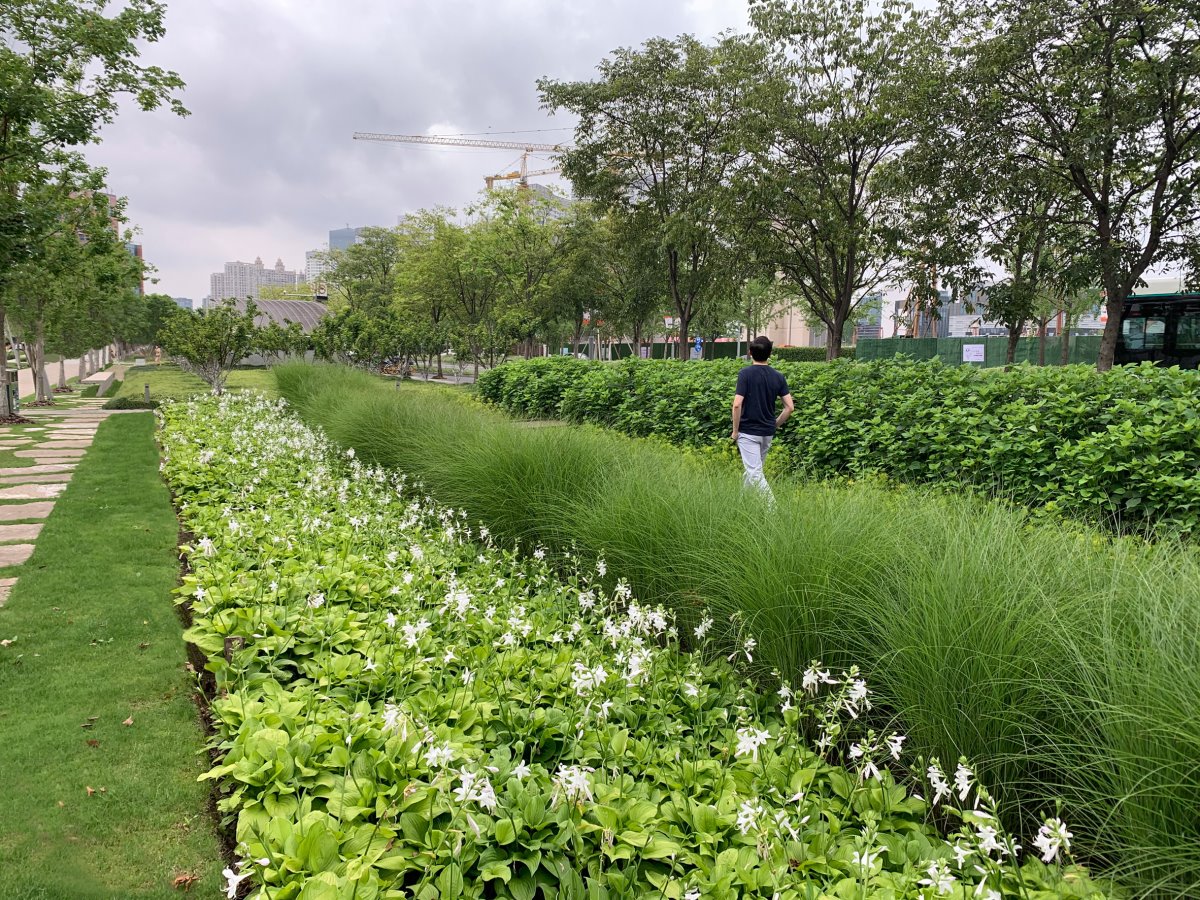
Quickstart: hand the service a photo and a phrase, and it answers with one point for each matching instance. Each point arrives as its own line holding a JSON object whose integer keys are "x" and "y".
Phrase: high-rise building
{"x": 316, "y": 264}
{"x": 183, "y": 302}
{"x": 342, "y": 238}
{"x": 241, "y": 280}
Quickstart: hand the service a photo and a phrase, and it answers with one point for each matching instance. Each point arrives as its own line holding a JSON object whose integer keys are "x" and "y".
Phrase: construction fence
{"x": 983, "y": 352}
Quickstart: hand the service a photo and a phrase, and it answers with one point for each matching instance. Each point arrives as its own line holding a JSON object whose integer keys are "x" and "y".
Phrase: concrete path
{"x": 55, "y": 444}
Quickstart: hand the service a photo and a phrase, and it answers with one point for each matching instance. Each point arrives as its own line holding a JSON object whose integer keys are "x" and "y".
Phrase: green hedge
{"x": 807, "y": 354}
{"x": 1119, "y": 448}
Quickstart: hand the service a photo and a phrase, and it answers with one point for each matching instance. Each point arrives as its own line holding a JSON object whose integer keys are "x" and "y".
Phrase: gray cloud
{"x": 265, "y": 165}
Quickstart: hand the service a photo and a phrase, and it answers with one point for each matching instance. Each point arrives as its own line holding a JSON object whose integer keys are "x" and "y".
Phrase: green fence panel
{"x": 886, "y": 348}
{"x": 1084, "y": 349}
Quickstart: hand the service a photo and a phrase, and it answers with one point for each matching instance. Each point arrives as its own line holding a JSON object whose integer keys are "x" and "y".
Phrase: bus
{"x": 1160, "y": 328}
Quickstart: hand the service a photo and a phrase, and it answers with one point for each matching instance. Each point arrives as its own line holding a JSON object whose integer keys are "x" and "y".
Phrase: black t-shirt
{"x": 760, "y": 387}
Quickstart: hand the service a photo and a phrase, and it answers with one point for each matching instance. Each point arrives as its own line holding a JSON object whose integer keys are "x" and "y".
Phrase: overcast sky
{"x": 265, "y": 165}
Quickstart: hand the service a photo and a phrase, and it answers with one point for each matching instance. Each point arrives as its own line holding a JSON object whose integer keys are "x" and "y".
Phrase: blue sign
{"x": 699, "y": 344}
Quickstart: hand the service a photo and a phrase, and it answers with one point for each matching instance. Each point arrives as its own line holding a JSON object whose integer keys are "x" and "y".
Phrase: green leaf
{"x": 505, "y": 833}
{"x": 522, "y": 887}
{"x": 450, "y": 882}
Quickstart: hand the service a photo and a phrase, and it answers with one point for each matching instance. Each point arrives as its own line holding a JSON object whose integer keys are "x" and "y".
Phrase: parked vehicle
{"x": 1161, "y": 328}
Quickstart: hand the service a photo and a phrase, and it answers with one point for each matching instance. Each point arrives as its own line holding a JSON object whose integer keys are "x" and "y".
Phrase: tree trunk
{"x": 833, "y": 340}
{"x": 684, "y": 322}
{"x": 1014, "y": 336}
{"x": 62, "y": 372}
{"x": 5, "y": 409}
{"x": 1115, "y": 301}
{"x": 1064, "y": 349}
{"x": 41, "y": 382}
{"x": 1042, "y": 342}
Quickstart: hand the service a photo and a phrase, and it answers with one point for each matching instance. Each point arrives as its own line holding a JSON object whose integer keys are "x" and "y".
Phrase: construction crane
{"x": 523, "y": 177}
{"x": 525, "y": 147}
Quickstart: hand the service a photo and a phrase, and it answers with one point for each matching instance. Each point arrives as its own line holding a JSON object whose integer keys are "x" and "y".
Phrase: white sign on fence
{"x": 973, "y": 353}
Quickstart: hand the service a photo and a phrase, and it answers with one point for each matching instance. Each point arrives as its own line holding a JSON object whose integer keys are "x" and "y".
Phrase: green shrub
{"x": 806, "y": 354}
{"x": 130, "y": 403}
{"x": 1118, "y": 449}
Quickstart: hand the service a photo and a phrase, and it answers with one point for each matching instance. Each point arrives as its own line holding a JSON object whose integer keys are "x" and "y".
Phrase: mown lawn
{"x": 101, "y": 740}
{"x": 169, "y": 380}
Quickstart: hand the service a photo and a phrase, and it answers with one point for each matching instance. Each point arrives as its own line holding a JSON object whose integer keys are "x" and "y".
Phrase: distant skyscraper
{"x": 241, "y": 280}
{"x": 183, "y": 302}
{"x": 316, "y": 264}
{"x": 342, "y": 238}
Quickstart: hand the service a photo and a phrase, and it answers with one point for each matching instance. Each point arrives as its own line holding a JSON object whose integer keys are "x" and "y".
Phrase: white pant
{"x": 753, "y": 448}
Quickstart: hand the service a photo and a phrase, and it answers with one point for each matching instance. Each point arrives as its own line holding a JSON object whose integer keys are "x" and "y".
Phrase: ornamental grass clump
{"x": 406, "y": 708}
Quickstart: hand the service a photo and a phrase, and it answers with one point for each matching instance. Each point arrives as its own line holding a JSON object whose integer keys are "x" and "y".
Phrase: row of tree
{"x": 1038, "y": 153}
{"x": 524, "y": 269}
{"x": 67, "y": 280}
{"x": 850, "y": 145}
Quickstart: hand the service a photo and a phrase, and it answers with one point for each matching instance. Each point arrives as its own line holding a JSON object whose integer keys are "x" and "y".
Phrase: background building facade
{"x": 342, "y": 238}
{"x": 241, "y": 280}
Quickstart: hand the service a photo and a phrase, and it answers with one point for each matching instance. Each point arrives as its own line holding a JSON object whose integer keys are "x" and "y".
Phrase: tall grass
{"x": 1063, "y": 665}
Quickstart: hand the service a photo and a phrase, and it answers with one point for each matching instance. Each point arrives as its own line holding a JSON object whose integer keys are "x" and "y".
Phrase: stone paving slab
{"x": 15, "y": 554}
{"x": 6, "y": 585}
{"x": 11, "y": 511}
{"x": 65, "y": 453}
{"x": 23, "y": 532}
{"x": 35, "y": 478}
{"x": 37, "y": 469}
{"x": 31, "y": 491}
{"x": 56, "y": 443}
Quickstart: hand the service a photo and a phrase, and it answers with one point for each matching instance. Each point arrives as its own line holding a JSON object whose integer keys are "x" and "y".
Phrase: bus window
{"x": 1144, "y": 333}
{"x": 1187, "y": 336}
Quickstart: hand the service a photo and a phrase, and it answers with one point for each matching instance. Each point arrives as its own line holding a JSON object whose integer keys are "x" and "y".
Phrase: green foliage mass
{"x": 1116, "y": 448}
{"x": 1061, "y": 663}
{"x": 407, "y": 709}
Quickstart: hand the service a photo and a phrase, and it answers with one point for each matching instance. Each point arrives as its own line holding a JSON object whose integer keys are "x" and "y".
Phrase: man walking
{"x": 754, "y": 419}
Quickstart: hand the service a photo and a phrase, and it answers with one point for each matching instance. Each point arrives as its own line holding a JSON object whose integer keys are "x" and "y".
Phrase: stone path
{"x": 54, "y": 446}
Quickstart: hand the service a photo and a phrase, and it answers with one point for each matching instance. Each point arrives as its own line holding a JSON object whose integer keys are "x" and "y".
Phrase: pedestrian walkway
{"x": 53, "y": 445}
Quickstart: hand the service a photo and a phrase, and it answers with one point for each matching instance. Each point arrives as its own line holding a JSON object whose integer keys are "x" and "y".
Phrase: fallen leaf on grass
{"x": 7, "y": 642}
{"x": 128, "y": 721}
{"x": 61, "y": 805}
{"x": 143, "y": 645}
{"x": 185, "y": 881}
{"x": 93, "y": 743}
{"x": 91, "y": 790}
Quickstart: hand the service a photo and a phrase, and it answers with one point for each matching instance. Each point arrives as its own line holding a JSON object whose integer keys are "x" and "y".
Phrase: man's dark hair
{"x": 760, "y": 348}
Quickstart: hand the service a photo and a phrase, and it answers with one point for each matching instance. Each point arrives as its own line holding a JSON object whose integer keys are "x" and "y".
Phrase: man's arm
{"x": 788, "y": 405}
{"x": 737, "y": 413}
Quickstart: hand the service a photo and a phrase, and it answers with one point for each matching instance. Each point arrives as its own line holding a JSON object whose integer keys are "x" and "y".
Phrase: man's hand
{"x": 735, "y": 434}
